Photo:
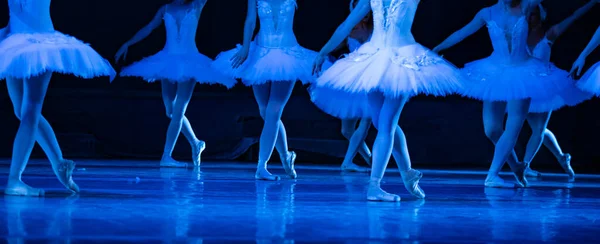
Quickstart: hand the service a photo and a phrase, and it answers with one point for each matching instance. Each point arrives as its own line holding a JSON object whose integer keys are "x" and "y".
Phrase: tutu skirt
{"x": 265, "y": 64}
{"x": 495, "y": 80}
{"x": 590, "y": 81}
{"x": 342, "y": 90}
{"x": 177, "y": 67}
{"x": 25, "y": 55}
{"x": 569, "y": 94}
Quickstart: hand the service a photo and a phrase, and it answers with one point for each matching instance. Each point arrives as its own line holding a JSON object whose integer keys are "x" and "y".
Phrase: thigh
{"x": 538, "y": 121}
{"x": 15, "y": 92}
{"x": 493, "y": 115}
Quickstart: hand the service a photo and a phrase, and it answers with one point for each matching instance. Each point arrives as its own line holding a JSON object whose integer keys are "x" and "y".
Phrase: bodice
{"x": 542, "y": 50}
{"x": 509, "y": 44}
{"x": 276, "y": 23}
{"x": 181, "y": 30}
{"x": 392, "y": 23}
{"x": 30, "y": 16}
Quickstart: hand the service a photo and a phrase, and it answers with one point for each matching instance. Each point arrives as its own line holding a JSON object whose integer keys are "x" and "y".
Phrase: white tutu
{"x": 27, "y": 55}
{"x": 569, "y": 94}
{"x": 177, "y": 67}
{"x": 590, "y": 81}
{"x": 494, "y": 80}
{"x": 269, "y": 64}
{"x": 342, "y": 90}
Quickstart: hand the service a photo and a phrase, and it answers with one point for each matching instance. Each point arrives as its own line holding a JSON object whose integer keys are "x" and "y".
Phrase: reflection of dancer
{"x": 388, "y": 70}
{"x": 506, "y": 81}
{"x": 271, "y": 64}
{"x": 272, "y": 218}
{"x": 178, "y": 66}
{"x": 540, "y": 44}
{"x": 360, "y": 34}
{"x": 30, "y": 53}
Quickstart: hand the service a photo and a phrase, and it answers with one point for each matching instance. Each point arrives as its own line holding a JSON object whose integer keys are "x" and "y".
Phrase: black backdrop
{"x": 96, "y": 119}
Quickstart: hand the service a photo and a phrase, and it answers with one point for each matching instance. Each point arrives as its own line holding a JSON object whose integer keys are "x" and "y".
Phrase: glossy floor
{"x": 223, "y": 203}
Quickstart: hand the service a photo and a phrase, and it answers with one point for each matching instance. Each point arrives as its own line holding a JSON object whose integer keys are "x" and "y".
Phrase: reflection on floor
{"x": 224, "y": 203}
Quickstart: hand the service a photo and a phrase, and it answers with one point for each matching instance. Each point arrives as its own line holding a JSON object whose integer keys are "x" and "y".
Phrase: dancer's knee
{"x": 493, "y": 133}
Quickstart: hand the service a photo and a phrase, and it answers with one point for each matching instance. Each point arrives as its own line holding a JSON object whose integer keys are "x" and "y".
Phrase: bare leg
{"x": 280, "y": 93}
{"x": 169, "y": 94}
{"x": 34, "y": 92}
{"x": 45, "y": 137}
{"x": 563, "y": 158}
{"x": 357, "y": 143}
{"x": 386, "y": 122}
{"x": 517, "y": 113}
{"x": 183, "y": 96}
{"x": 538, "y": 123}
{"x": 262, "y": 94}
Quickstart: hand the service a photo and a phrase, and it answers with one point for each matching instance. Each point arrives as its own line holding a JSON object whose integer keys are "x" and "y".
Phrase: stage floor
{"x": 223, "y": 203}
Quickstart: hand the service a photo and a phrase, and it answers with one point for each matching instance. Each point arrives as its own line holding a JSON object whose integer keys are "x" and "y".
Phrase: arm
{"x": 343, "y": 31}
{"x": 466, "y": 31}
{"x": 146, "y": 30}
{"x": 580, "y": 62}
{"x": 250, "y": 24}
{"x": 561, "y": 27}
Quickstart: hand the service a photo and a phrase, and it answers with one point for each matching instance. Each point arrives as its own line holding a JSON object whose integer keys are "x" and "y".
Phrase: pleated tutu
{"x": 492, "y": 79}
{"x": 590, "y": 81}
{"x": 265, "y": 64}
{"x": 342, "y": 90}
{"x": 178, "y": 67}
{"x": 569, "y": 94}
{"x": 25, "y": 55}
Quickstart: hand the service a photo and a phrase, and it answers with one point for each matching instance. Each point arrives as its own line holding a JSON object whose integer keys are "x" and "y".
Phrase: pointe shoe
{"x": 65, "y": 175}
{"x": 411, "y": 179}
{"x": 288, "y": 165}
{"x": 375, "y": 193}
{"x": 497, "y": 182}
{"x": 520, "y": 175}
{"x": 264, "y": 174}
{"x": 172, "y": 163}
{"x": 354, "y": 168}
{"x": 532, "y": 173}
{"x": 197, "y": 150}
{"x": 22, "y": 189}
{"x": 565, "y": 163}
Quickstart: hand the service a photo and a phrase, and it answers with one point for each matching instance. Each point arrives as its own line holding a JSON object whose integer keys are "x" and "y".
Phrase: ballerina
{"x": 540, "y": 45}
{"x": 591, "y": 79}
{"x": 179, "y": 66}
{"x": 31, "y": 51}
{"x": 384, "y": 73}
{"x": 271, "y": 64}
{"x": 356, "y": 136}
{"x": 507, "y": 81}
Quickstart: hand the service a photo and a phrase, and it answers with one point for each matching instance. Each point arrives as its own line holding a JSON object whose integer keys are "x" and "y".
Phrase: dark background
{"x": 125, "y": 119}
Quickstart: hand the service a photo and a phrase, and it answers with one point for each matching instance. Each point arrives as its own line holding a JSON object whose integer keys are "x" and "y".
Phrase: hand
{"x": 437, "y": 49}
{"x": 239, "y": 58}
{"x": 577, "y": 67}
{"x": 122, "y": 53}
{"x": 318, "y": 64}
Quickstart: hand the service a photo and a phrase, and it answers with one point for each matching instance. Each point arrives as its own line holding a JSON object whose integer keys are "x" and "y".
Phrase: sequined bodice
{"x": 29, "y": 16}
{"x": 509, "y": 44}
{"x": 181, "y": 31}
{"x": 276, "y": 23}
{"x": 543, "y": 50}
{"x": 392, "y": 23}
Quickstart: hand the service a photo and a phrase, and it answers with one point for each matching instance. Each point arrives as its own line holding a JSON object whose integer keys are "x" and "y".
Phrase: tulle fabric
{"x": 264, "y": 64}
{"x": 495, "y": 80}
{"x": 178, "y": 67}
{"x": 342, "y": 90}
{"x": 569, "y": 94}
{"x": 25, "y": 55}
{"x": 590, "y": 81}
